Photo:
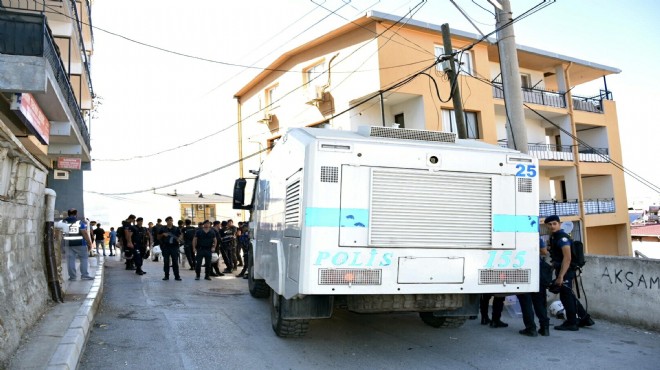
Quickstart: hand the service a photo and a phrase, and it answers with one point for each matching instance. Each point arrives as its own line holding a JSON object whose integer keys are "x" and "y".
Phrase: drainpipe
{"x": 49, "y": 247}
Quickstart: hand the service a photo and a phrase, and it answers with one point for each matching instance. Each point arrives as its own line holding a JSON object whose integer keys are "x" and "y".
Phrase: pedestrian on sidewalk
{"x": 112, "y": 243}
{"x": 99, "y": 237}
{"x": 76, "y": 239}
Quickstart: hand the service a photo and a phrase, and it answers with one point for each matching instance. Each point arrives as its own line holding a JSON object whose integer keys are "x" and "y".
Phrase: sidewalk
{"x": 57, "y": 341}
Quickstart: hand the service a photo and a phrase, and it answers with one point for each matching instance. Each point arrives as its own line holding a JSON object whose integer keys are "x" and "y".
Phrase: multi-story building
{"x": 46, "y": 99}
{"x": 46, "y": 89}
{"x": 199, "y": 207}
{"x": 356, "y": 75}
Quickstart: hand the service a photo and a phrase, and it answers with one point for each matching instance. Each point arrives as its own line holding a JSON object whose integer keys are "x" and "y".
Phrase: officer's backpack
{"x": 577, "y": 254}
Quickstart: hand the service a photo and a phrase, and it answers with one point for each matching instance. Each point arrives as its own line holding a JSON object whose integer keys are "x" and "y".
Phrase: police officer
{"x": 226, "y": 246}
{"x": 141, "y": 239}
{"x": 188, "y": 236}
{"x": 498, "y": 307}
{"x": 203, "y": 243}
{"x": 127, "y": 241}
{"x": 560, "y": 255}
{"x": 75, "y": 237}
{"x": 535, "y": 302}
{"x": 169, "y": 236}
{"x": 244, "y": 244}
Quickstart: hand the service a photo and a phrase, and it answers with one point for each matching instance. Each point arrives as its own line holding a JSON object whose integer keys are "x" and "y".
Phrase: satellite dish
{"x": 567, "y": 226}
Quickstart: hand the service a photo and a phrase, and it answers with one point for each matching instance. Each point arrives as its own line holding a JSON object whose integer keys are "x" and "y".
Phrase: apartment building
{"x": 357, "y": 75}
{"x": 46, "y": 90}
{"x": 46, "y": 98}
{"x": 198, "y": 207}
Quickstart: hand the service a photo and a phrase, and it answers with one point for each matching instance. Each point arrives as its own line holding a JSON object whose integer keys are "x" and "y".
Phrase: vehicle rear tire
{"x": 258, "y": 287}
{"x": 285, "y": 328}
{"x": 442, "y": 321}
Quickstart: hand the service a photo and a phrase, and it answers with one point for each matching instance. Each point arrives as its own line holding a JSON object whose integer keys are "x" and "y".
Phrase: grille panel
{"x": 524, "y": 185}
{"x": 438, "y": 210}
{"x": 292, "y": 211}
{"x": 407, "y": 134}
{"x": 502, "y": 276}
{"x": 329, "y": 174}
{"x": 350, "y": 277}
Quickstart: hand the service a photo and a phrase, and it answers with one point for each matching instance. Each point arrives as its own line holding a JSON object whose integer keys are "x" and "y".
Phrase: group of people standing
{"x": 198, "y": 244}
{"x": 536, "y": 302}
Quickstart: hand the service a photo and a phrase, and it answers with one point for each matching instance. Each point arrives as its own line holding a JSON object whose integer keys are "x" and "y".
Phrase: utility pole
{"x": 453, "y": 84}
{"x": 513, "y": 100}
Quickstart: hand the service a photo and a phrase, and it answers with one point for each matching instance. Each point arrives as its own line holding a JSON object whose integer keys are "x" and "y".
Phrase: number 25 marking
{"x": 526, "y": 170}
{"x": 504, "y": 259}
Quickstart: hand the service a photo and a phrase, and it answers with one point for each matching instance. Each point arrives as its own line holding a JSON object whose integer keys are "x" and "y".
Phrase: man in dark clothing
{"x": 226, "y": 246}
{"x": 560, "y": 255}
{"x": 498, "y": 306}
{"x": 127, "y": 241}
{"x": 243, "y": 238}
{"x": 218, "y": 234}
{"x": 235, "y": 253}
{"x": 203, "y": 243}
{"x": 99, "y": 237}
{"x": 169, "y": 236}
{"x": 535, "y": 302}
{"x": 140, "y": 239}
{"x": 188, "y": 236}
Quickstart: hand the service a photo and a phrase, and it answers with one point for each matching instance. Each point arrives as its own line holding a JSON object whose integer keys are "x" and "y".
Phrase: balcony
{"x": 28, "y": 35}
{"x": 552, "y": 152}
{"x": 556, "y": 99}
{"x": 571, "y": 207}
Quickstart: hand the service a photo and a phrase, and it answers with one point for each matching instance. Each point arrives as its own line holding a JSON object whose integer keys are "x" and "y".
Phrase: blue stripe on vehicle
{"x": 336, "y": 217}
{"x": 515, "y": 223}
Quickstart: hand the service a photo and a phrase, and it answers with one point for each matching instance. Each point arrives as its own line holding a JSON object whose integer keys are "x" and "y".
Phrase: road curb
{"x": 70, "y": 347}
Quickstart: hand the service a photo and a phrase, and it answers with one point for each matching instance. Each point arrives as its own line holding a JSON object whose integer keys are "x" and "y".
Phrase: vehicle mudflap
{"x": 309, "y": 307}
{"x": 470, "y": 307}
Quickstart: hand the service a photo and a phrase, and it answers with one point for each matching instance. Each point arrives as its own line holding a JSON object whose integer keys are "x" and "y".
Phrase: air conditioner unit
{"x": 200, "y": 207}
{"x": 314, "y": 95}
{"x": 60, "y": 175}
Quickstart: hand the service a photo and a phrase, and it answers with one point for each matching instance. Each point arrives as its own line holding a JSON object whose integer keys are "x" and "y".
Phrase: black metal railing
{"x": 548, "y": 98}
{"x": 591, "y": 150}
{"x": 37, "y": 6}
{"x": 81, "y": 45}
{"x": 15, "y": 29}
{"x": 598, "y": 206}
{"x": 535, "y": 96}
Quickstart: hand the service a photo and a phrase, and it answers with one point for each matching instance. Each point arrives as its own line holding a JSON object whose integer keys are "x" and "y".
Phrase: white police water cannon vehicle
{"x": 386, "y": 220}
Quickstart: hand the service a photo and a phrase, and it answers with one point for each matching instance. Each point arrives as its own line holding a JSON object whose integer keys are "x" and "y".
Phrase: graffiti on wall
{"x": 630, "y": 279}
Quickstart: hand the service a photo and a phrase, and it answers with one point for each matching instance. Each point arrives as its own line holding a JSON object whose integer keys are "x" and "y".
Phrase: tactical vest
{"x": 74, "y": 235}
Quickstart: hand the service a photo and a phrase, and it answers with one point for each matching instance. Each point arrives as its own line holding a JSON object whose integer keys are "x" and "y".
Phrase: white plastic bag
{"x": 214, "y": 257}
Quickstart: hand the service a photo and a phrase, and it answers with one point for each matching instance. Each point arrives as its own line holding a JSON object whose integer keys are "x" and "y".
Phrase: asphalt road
{"x": 146, "y": 323}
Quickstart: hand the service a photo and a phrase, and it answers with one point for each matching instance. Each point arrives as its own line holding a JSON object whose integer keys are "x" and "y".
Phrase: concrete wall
{"x": 623, "y": 289}
{"x": 23, "y": 285}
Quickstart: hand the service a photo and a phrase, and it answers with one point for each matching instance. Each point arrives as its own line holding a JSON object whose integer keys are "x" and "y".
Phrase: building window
{"x": 398, "y": 118}
{"x": 463, "y": 60}
{"x": 311, "y": 74}
{"x": 449, "y": 123}
{"x": 272, "y": 97}
{"x": 525, "y": 81}
{"x": 188, "y": 212}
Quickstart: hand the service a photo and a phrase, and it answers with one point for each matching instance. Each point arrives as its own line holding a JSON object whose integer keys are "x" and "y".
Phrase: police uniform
{"x": 188, "y": 235}
{"x": 139, "y": 238}
{"x": 204, "y": 248}
{"x": 536, "y": 302}
{"x": 128, "y": 252}
{"x": 170, "y": 248}
{"x": 75, "y": 247}
{"x": 572, "y": 305}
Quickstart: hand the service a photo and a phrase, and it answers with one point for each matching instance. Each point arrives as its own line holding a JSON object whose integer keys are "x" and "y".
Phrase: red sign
{"x": 28, "y": 110}
{"x": 64, "y": 163}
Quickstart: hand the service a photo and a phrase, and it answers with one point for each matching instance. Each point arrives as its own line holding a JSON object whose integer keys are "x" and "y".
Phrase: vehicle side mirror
{"x": 239, "y": 194}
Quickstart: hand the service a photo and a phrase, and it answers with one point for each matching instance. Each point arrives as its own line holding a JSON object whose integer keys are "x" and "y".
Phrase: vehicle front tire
{"x": 285, "y": 328}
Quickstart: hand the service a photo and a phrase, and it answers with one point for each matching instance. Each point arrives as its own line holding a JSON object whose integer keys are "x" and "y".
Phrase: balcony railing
{"x": 38, "y": 6}
{"x": 28, "y": 34}
{"x": 552, "y": 152}
{"x": 535, "y": 96}
{"x": 556, "y": 99}
{"x": 571, "y": 207}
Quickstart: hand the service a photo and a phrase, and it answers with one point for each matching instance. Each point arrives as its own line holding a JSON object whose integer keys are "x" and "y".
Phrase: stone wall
{"x": 623, "y": 289}
{"x": 23, "y": 282}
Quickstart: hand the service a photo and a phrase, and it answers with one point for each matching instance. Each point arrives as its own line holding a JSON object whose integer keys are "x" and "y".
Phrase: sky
{"x": 153, "y": 101}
